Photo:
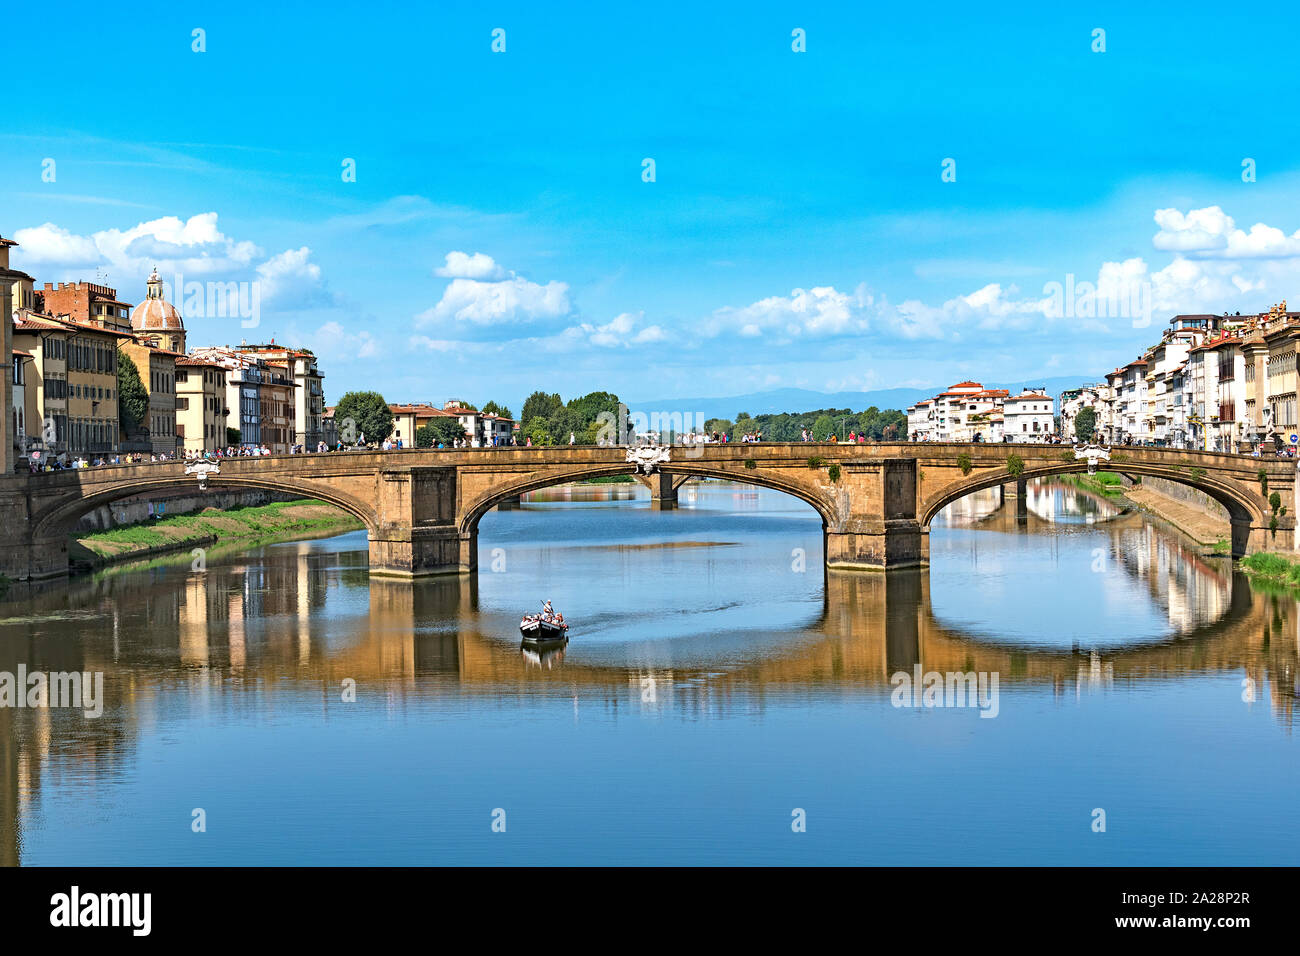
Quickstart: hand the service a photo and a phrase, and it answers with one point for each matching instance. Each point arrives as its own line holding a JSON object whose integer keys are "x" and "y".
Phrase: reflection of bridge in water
{"x": 256, "y": 622}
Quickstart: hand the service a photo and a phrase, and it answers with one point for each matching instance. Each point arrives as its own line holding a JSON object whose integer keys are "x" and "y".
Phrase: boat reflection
{"x": 546, "y": 654}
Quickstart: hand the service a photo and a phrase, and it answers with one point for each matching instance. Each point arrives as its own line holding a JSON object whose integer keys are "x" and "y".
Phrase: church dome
{"x": 156, "y": 314}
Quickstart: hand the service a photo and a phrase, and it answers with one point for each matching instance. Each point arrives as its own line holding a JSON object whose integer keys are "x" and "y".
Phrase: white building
{"x": 920, "y": 421}
{"x": 965, "y": 412}
{"x": 1029, "y": 416}
{"x": 1075, "y": 400}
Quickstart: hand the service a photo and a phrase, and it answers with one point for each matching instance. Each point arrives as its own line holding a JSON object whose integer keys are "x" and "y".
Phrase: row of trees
{"x": 874, "y": 424}
{"x": 548, "y": 420}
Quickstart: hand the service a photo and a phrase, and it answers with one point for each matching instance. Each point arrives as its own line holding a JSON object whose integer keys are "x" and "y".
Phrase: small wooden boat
{"x": 537, "y": 631}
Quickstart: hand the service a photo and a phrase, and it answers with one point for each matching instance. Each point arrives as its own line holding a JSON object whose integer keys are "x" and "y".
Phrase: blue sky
{"x": 798, "y": 232}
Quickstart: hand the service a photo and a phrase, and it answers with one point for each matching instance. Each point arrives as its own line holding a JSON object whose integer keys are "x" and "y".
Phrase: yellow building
{"x": 91, "y": 361}
{"x": 23, "y": 406}
{"x": 8, "y": 279}
{"x": 409, "y": 419}
{"x": 201, "y": 411}
{"x": 47, "y": 343}
{"x": 157, "y": 370}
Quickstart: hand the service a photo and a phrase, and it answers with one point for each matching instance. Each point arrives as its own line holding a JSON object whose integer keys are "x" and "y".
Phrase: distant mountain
{"x": 805, "y": 400}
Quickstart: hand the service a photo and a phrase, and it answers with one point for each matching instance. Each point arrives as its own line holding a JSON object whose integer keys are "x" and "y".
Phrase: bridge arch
{"x": 58, "y": 519}
{"x": 805, "y": 491}
{"x": 1245, "y": 507}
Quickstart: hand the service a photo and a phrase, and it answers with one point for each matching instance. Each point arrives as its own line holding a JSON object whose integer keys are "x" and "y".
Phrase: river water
{"x": 723, "y": 699}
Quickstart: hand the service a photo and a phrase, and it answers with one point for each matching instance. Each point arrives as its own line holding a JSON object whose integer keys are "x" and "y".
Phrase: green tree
{"x": 132, "y": 399}
{"x": 233, "y": 436}
{"x": 541, "y": 405}
{"x": 539, "y": 430}
{"x": 718, "y": 425}
{"x": 870, "y": 423}
{"x": 586, "y": 416}
{"x": 1085, "y": 423}
{"x": 445, "y": 430}
{"x": 744, "y": 426}
{"x": 822, "y": 428}
{"x": 492, "y": 408}
{"x": 369, "y": 414}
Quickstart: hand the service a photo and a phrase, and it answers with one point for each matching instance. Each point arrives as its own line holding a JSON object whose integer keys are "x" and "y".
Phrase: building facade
{"x": 201, "y": 411}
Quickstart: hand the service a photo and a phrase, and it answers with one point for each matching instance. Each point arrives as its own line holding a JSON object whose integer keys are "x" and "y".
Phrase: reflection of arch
{"x": 1241, "y": 504}
{"x": 808, "y": 493}
{"x": 58, "y": 519}
{"x": 1241, "y": 602}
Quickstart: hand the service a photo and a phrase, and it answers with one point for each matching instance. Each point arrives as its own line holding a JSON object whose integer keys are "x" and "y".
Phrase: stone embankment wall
{"x": 135, "y": 510}
{"x": 1186, "y": 494}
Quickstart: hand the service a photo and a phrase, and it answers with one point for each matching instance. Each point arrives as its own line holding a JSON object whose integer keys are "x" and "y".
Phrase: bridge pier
{"x": 663, "y": 490}
{"x": 880, "y": 531}
{"x": 889, "y": 545}
{"x": 510, "y": 504}
{"x": 416, "y": 532}
{"x": 31, "y": 560}
{"x": 1247, "y": 538}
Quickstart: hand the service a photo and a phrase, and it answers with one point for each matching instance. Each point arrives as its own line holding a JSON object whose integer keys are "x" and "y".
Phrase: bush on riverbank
{"x": 1272, "y": 566}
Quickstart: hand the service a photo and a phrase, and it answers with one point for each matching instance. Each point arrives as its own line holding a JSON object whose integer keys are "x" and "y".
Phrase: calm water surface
{"x": 717, "y": 680}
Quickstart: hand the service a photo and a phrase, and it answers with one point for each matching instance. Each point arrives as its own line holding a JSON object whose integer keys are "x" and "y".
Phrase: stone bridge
{"x": 421, "y": 508}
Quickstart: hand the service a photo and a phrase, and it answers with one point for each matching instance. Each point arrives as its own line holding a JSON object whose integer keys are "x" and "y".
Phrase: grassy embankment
{"x": 1274, "y": 569}
{"x": 1103, "y": 482}
{"x": 280, "y": 520}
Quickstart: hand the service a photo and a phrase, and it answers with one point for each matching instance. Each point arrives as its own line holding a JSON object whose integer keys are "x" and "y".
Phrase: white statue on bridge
{"x": 201, "y": 469}
{"x": 647, "y": 458}
{"x": 1094, "y": 453}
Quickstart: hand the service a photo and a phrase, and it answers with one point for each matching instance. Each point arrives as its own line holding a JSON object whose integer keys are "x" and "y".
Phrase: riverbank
{"x": 1272, "y": 569}
{"x": 263, "y": 524}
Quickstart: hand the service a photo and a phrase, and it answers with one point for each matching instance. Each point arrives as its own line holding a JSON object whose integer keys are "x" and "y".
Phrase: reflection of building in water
{"x": 1190, "y": 588}
{"x": 194, "y": 620}
{"x": 973, "y": 507}
{"x": 1095, "y": 675}
{"x": 1057, "y": 502}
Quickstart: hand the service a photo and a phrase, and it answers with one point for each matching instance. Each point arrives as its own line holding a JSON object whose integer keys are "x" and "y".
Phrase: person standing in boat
{"x": 546, "y": 610}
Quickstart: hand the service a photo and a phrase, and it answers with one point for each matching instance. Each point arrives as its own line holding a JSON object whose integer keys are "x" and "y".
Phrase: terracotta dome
{"x": 156, "y": 314}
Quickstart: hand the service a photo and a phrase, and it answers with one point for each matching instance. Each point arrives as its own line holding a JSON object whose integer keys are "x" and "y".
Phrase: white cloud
{"x": 482, "y": 293}
{"x": 476, "y": 266}
{"x": 195, "y": 248}
{"x": 623, "y": 330}
{"x": 817, "y": 312}
{"x": 291, "y": 280}
{"x": 1212, "y": 233}
{"x": 49, "y": 244}
{"x": 332, "y": 340}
